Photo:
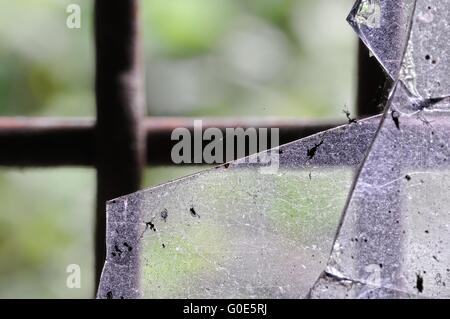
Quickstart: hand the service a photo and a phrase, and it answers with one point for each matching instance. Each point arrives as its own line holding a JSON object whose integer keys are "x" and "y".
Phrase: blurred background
{"x": 236, "y": 58}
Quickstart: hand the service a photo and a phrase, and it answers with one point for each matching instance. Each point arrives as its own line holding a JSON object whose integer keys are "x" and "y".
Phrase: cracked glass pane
{"x": 383, "y": 26}
{"x": 241, "y": 231}
{"x": 392, "y": 242}
{"x": 236, "y": 231}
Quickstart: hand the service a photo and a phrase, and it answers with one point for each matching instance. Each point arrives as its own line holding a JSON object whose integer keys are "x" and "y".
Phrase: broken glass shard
{"x": 234, "y": 231}
{"x": 383, "y": 26}
{"x": 392, "y": 241}
{"x": 237, "y": 232}
{"x": 426, "y": 64}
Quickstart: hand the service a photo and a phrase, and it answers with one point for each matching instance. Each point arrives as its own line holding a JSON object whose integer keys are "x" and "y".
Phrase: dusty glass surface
{"x": 392, "y": 242}
{"x": 236, "y": 231}
{"x": 383, "y": 26}
{"x": 394, "y": 236}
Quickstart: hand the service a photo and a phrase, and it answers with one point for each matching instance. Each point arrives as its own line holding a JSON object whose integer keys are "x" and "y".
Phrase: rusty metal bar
{"x": 41, "y": 142}
{"x": 28, "y": 142}
{"x": 159, "y": 132}
{"x": 119, "y": 139}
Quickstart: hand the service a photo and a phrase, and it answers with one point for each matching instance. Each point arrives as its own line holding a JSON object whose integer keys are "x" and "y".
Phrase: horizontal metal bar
{"x": 46, "y": 142}
{"x": 41, "y": 142}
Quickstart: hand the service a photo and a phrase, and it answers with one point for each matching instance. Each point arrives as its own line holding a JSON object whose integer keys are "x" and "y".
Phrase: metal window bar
{"x": 121, "y": 139}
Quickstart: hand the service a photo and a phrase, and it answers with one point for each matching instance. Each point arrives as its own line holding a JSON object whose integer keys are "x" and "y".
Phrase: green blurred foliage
{"x": 46, "y": 68}
{"x": 186, "y": 27}
{"x": 203, "y": 58}
{"x": 46, "y": 224}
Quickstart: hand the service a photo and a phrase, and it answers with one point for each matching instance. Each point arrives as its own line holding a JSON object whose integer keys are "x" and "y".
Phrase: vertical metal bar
{"x": 119, "y": 138}
{"x": 373, "y": 84}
